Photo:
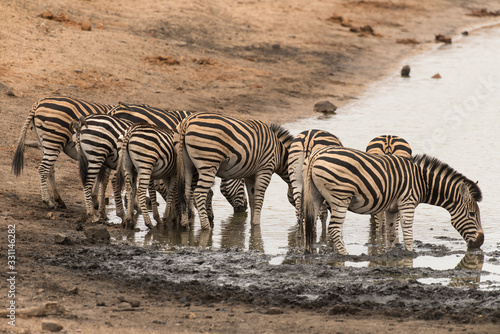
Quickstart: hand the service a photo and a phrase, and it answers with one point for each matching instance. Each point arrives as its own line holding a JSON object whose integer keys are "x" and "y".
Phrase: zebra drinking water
{"x": 217, "y": 145}
{"x": 363, "y": 183}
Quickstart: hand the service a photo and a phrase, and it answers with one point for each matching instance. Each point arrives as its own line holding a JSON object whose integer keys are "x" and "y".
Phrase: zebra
{"x": 51, "y": 118}
{"x": 96, "y": 138}
{"x": 301, "y": 148}
{"x": 147, "y": 153}
{"x": 224, "y": 146}
{"x": 368, "y": 184}
{"x": 387, "y": 144}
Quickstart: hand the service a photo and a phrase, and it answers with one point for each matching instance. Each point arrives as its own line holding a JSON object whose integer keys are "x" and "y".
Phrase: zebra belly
{"x": 360, "y": 205}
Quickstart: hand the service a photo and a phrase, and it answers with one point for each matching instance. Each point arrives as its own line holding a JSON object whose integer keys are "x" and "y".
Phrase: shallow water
{"x": 454, "y": 118}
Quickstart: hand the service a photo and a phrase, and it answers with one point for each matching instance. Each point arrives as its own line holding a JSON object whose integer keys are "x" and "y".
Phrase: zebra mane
{"x": 428, "y": 162}
{"x": 283, "y": 134}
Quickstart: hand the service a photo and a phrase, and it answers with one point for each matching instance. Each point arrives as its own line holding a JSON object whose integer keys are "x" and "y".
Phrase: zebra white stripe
{"x": 369, "y": 184}
{"x": 217, "y": 145}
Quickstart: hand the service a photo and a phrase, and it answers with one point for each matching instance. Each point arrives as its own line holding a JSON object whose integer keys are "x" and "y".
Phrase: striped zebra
{"x": 368, "y": 184}
{"x": 51, "y": 118}
{"x": 96, "y": 138}
{"x": 301, "y": 148}
{"x": 147, "y": 153}
{"x": 217, "y": 145}
{"x": 387, "y": 144}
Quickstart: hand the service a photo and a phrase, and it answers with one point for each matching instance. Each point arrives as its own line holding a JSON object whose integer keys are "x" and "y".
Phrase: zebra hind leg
{"x": 201, "y": 193}
{"x": 338, "y": 213}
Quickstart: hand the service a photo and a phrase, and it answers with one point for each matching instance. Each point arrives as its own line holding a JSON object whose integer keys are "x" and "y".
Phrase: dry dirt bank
{"x": 271, "y": 60}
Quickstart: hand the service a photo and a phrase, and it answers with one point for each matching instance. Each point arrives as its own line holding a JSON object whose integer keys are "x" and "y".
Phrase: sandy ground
{"x": 270, "y": 60}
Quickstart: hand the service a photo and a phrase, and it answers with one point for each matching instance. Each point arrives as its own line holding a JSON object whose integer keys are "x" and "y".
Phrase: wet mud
{"x": 323, "y": 282}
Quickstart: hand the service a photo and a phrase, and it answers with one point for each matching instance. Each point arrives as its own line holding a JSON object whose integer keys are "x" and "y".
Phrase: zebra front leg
{"x": 389, "y": 224}
{"x": 406, "y": 218}
{"x": 154, "y": 202}
{"x": 143, "y": 183}
{"x": 131, "y": 180}
{"x": 120, "y": 211}
{"x": 256, "y": 189}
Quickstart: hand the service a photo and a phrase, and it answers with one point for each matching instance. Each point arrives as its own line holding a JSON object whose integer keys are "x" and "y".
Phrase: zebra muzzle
{"x": 478, "y": 242}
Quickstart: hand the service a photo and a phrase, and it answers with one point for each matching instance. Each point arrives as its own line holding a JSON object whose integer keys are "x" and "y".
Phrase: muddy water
{"x": 454, "y": 118}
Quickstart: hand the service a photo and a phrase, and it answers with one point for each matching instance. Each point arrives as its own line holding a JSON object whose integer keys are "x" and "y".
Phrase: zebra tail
{"x": 83, "y": 163}
{"x": 309, "y": 213}
{"x": 18, "y": 160}
{"x": 122, "y": 150}
{"x": 181, "y": 183}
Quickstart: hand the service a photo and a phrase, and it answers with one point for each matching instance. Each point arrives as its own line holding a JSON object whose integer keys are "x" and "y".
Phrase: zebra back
{"x": 389, "y": 144}
{"x": 52, "y": 117}
{"x": 142, "y": 113}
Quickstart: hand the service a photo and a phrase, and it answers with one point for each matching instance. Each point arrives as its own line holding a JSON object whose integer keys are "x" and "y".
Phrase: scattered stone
{"x": 405, "y": 71}
{"x": 161, "y": 60}
{"x": 436, "y": 76}
{"x": 135, "y": 303}
{"x": 124, "y": 305}
{"x": 276, "y": 46}
{"x": 465, "y": 33}
{"x": 483, "y": 12}
{"x": 51, "y": 325}
{"x": 274, "y": 310}
{"x": 159, "y": 322}
{"x": 73, "y": 291}
{"x": 96, "y": 235}
{"x": 325, "y": 107}
{"x": 101, "y": 303}
{"x": 443, "y": 39}
{"x": 7, "y": 90}
{"x": 407, "y": 41}
{"x": 51, "y": 216}
{"x": 63, "y": 239}
{"x": 86, "y": 26}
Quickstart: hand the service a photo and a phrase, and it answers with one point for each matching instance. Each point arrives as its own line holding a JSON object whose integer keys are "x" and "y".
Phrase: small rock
{"x": 101, "y": 303}
{"x": 405, "y": 71}
{"x": 97, "y": 235}
{"x": 73, "y": 291}
{"x": 325, "y": 107}
{"x": 52, "y": 326}
{"x": 443, "y": 39}
{"x": 276, "y": 46}
{"x": 86, "y": 26}
{"x": 436, "y": 76}
{"x": 274, "y": 310}
{"x": 135, "y": 303}
{"x": 62, "y": 239}
{"x": 124, "y": 305}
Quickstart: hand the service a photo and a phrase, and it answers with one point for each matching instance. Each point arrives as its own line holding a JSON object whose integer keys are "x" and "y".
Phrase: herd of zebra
{"x": 180, "y": 153}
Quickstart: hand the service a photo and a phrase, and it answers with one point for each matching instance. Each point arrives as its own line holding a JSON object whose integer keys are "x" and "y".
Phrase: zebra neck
{"x": 440, "y": 187}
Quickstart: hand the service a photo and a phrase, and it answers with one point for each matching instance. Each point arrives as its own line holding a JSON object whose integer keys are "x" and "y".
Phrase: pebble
{"x": 325, "y": 107}
{"x": 52, "y": 326}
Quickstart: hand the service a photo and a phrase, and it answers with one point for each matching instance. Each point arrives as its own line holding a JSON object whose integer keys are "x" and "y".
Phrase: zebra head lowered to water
{"x": 217, "y": 145}
{"x": 363, "y": 183}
